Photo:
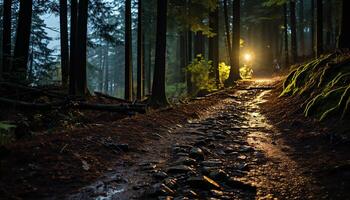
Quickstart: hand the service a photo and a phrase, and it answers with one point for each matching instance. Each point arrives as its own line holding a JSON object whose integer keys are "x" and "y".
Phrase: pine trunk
{"x": 73, "y": 49}
{"x": 286, "y": 45}
{"x": 140, "y": 55}
{"x": 214, "y": 45}
{"x": 227, "y": 30}
{"x": 6, "y": 37}
{"x": 21, "y": 52}
{"x": 344, "y": 37}
{"x": 319, "y": 29}
{"x": 128, "y": 51}
{"x": 64, "y": 42}
{"x": 301, "y": 28}
{"x": 158, "y": 98}
{"x": 293, "y": 27}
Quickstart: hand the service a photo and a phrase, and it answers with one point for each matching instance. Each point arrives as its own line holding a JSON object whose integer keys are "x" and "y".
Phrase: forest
{"x": 174, "y": 99}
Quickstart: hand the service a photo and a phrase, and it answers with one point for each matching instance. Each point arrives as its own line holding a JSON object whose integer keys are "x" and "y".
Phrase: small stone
{"x": 185, "y": 161}
{"x": 171, "y": 182}
{"x": 217, "y": 193}
{"x": 212, "y": 163}
{"x": 219, "y": 137}
{"x": 179, "y": 169}
{"x": 190, "y": 193}
{"x": 219, "y": 175}
{"x": 202, "y": 182}
{"x": 234, "y": 183}
{"x": 160, "y": 189}
{"x": 160, "y": 175}
{"x": 197, "y": 153}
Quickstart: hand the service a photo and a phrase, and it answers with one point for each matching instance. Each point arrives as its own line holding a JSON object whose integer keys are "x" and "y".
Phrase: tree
{"x": 293, "y": 28}
{"x": 344, "y": 40}
{"x": 73, "y": 44}
{"x": 21, "y": 52}
{"x": 227, "y": 30}
{"x": 319, "y": 28}
{"x": 64, "y": 42}
{"x": 140, "y": 55}
{"x": 236, "y": 38}
{"x": 6, "y": 37}
{"x": 286, "y": 46}
{"x": 158, "y": 97}
{"x": 301, "y": 28}
{"x": 214, "y": 45}
{"x": 128, "y": 51}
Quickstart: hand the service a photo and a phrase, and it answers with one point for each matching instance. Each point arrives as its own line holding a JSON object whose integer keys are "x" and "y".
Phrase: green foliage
{"x": 200, "y": 68}
{"x": 224, "y": 72}
{"x": 6, "y": 132}
{"x": 246, "y": 72}
{"x": 326, "y": 84}
{"x": 176, "y": 91}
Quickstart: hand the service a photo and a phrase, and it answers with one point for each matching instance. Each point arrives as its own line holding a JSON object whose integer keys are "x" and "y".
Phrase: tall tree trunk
{"x": 140, "y": 55}
{"x": 101, "y": 71}
{"x": 149, "y": 82}
{"x": 236, "y": 38}
{"x": 286, "y": 45}
{"x": 64, "y": 42}
{"x": 183, "y": 56}
{"x": 189, "y": 53}
{"x": 199, "y": 44}
{"x": 22, "y": 38}
{"x": 227, "y": 29}
{"x": 158, "y": 98}
{"x": 106, "y": 84}
{"x": 128, "y": 51}
{"x": 293, "y": 28}
{"x": 344, "y": 36}
{"x": 214, "y": 45}
{"x": 81, "y": 82}
{"x": 73, "y": 48}
{"x": 6, "y": 37}
{"x": 313, "y": 47}
{"x": 301, "y": 28}
{"x": 319, "y": 30}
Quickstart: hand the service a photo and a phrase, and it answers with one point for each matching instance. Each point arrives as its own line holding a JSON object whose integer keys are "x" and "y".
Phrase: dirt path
{"x": 229, "y": 153}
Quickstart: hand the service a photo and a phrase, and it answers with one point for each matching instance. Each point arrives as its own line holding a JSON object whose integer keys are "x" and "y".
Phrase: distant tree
{"x": 301, "y": 27}
{"x": 21, "y": 52}
{"x": 286, "y": 45}
{"x": 236, "y": 37}
{"x": 158, "y": 97}
{"x": 293, "y": 28}
{"x": 214, "y": 45}
{"x": 344, "y": 36}
{"x": 6, "y": 37}
{"x": 319, "y": 28}
{"x": 64, "y": 43}
{"x": 140, "y": 54}
{"x": 128, "y": 51}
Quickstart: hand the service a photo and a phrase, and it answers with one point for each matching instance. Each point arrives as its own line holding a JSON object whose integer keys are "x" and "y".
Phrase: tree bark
{"x": 21, "y": 52}
{"x": 227, "y": 28}
{"x": 158, "y": 97}
{"x": 301, "y": 28}
{"x": 286, "y": 45}
{"x": 313, "y": 28}
{"x": 6, "y": 37}
{"x": 319, "y": 29}
{"x": 106, "y": 66}
{"x": 236, "y": 38}
{"x": 214, "y": 45}
{"x": 64, "y": 43}
{"x": 189, "y": 54}
{"x": 293, "y": 27}
{"x": 73, "y": 44}
{"x": 81, "y": 82}
{"x": 140, "y": 55}
{"x": 344, "y": 36}
{"x": 128, "y": 51}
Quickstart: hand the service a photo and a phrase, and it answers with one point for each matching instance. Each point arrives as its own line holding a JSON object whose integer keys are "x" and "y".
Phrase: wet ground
{"x": 231, "y": 152}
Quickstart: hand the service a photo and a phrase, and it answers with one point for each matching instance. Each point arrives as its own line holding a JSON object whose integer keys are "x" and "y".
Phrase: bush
{"x": 6, "y": 132}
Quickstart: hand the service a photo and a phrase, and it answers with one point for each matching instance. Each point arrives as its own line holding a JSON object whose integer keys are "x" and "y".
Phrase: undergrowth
{"x": 325, "y": 82}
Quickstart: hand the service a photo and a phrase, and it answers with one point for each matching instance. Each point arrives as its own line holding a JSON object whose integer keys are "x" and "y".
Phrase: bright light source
{"x": 248, "y": 57}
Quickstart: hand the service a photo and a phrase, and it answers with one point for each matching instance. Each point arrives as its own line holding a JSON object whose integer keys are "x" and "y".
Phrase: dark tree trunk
{"x": 286, "y": 45}
{"x": 183, "y": 56}
{"x": 140, "y": 55}
{"x": 6, "y": 37}
{"x": 214, "y": 45}
{"x": 64, "y": 42}
{"x": 199, "y": 44}
{"x": 344, "y": 37}
{"x": 190, "y": 57}
{"x": 236, "y": 38}
{"x": 227, "y": 29}
{"x": 313, "y": 47}
{"x": 128, "y": 51}
{"x": 101, "y": 71}
{"x": 149, "y": 82}
{"x": 22, "y": 39}
{"x": 319, "y": 30}
{"x": 73, "y": 49}
{"x": 301, "y": 28}
{"x": 293, "y": 28}
{"x": 158, "y": 98}
{"x": 81, "y": 82}
{"x": 106, "y": 84}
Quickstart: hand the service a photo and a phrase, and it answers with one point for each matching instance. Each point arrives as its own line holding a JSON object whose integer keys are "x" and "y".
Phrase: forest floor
{"x": 240, "y": 143}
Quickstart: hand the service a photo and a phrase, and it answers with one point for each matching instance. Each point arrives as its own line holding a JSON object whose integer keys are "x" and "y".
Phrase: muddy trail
{"x": 230, "y": 152}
